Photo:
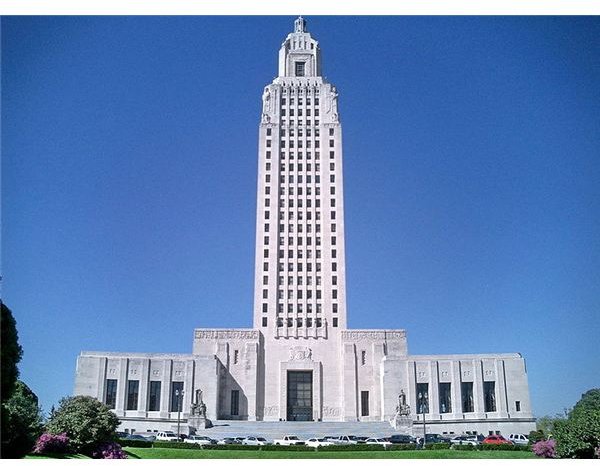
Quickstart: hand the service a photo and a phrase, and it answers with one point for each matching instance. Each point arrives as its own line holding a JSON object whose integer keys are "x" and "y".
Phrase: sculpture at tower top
{"x": 300, "y": 24}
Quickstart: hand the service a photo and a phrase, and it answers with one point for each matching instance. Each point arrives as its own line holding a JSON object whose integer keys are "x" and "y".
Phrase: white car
{"x": 519, "y": 439}
{"x": 464, "y": 440}
{"x": 288, "y": 440}
{"x": 166, "y": 436}
{"x": 318, "y": 442}
{"x": 255, "y": 441}
{"x": 199, "y": 440}
{"x": 378, "y": 441}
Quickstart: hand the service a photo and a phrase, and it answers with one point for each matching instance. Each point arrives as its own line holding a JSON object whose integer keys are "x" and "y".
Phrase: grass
{"x": 33, "y": 456}
{"x": 172, "y": 453}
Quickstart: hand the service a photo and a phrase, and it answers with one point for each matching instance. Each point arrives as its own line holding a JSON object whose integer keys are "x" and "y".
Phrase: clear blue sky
{"x": 472, "y": 184}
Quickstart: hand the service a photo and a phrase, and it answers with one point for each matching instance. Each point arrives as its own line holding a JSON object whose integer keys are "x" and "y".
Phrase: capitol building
{"x": 300, "y": 361}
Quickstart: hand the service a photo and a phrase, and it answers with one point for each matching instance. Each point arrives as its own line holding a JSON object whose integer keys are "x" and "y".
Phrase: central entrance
{"x": 299, "y": 395}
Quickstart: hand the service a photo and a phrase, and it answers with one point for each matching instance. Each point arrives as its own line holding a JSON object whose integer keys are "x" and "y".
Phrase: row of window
{"x": 300, "y": 267}
{"x": 299, "y": 167}
{"x": 300, "y": 308}
{"x": 299, "y": 240}
{"x": 300, "y": 322}
{"x": 154, "y": 395}
{"x": 299, "y": 112}
{"x": 299, "y": 294}
{"x": 292, "y": 122}
{"x": 445, "y": 397}
{"x": 300, "y": 191}
{"x": 299, "y": 179}
{"x": 300, "y": 280}
{"x": 290, "y": 154}
{"x": 299, "y": 253}
{"x": 300, "y": 100}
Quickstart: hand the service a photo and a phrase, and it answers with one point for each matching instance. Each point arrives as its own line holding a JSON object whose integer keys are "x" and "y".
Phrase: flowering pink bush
{"x": 50, "y": 443}
{"x": 545, "y": 448}
{"x": 110, "y": 451}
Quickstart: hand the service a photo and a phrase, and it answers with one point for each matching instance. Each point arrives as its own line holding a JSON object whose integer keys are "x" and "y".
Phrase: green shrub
{"x": 578, "y": 436}
{"x": 177, "y": 445}
{"x": 465, "y": 447}
{"x": 87, "y": 422}
{"x": 231, "y": 447}
{"x": 351, "y": 447}
{"x": 133, "y": 443}
{"x": 403, "y": 446}
{"x": 499, "y": 446}
{"x": 286, "y": 448}
{"x": 536, "y": 435}
{"x": 437, "y": 446}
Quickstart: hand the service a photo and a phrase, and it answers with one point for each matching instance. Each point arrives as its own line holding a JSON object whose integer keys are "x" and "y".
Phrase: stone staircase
{"x": 304, "y": 430}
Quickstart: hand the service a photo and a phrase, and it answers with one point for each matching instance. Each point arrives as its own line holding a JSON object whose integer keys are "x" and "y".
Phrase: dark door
{"x": 299, "y": 396}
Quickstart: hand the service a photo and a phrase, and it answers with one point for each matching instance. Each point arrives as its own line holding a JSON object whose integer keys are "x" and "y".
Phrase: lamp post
{"x": 423, "y": 402}
{"x": 179, "y": 396}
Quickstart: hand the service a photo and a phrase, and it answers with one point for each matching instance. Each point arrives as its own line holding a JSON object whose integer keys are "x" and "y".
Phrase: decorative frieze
{"x": 201, "y": 334}
{"x": 300, "y": 353}
{"x": 357, "y": 335}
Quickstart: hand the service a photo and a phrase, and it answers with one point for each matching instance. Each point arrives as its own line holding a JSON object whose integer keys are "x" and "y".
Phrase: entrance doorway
{"x": 299, "y": 395}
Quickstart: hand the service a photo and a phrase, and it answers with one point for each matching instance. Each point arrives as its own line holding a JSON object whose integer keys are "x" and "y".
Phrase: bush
{"x": 50, "y": 443}
{"x": 578, "y": 436}
{"x": 351, "y": 447}
{"x": 286, "y": 448}
{"x": 233, "y": 446}
{"x": 87, "y": 422}
{"x": 109, "y": 451}
{"x": 466, "y": 447}
{"x": 437, "y": 446}
{"x": 178, "y": 445}
{"x": 403, "y": 446}
{"x": 536, "y": 435}
{"x": 545, "y": 448}
{"x": 502, "y": 446}
{"x": 21, "y": 422}
{"x": 134, "y": 443}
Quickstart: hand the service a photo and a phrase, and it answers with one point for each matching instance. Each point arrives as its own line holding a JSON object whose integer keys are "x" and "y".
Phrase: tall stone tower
{"x": 300, "y": 265}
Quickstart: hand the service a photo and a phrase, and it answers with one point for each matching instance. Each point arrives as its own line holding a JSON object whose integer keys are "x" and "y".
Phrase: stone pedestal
{"x": 403, "y": 424}
{"x": 198, "y": 423}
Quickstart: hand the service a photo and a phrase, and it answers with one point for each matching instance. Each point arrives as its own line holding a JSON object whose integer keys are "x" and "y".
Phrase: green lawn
{"x": 33, "y": 456}
{"x": 172, "y": 453}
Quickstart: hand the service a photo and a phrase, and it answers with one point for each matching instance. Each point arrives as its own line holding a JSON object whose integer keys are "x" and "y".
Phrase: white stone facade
{"x": 300, "y": 336}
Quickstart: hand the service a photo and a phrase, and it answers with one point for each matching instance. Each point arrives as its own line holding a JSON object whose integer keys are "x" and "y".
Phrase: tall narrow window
{"x": 445, "y": 398}
{"x": 517, "y": 406}
{"x": 235, "y": 402}
{"x": 111, "y": 393}
{"x": 466, "y": 391}
{"x": 364, "y": 403}
{"x": 300, "y": 68}
{"x": 133, "y": 387}
{"x": 176, "y": 396}
{"x": 363, "y": 357}
{"x": 154, "y": 396}
{"x": 422, "y": 398}
{"x": 489, "y": 396}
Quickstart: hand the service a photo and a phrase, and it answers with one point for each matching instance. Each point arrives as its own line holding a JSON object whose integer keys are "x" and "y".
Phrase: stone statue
{"x": 402, "y": 409}
{"x": 333, "y": 103}
{"x": 198, "y": 406}
{"x": 266, "y": 97}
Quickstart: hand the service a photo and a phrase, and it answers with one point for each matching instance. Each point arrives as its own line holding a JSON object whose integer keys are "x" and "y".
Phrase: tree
{"x": 11, "y": 353}
{"x": 578, "y": 436}
{"x": 86, "y": 421}
{"x": 23, "y": 422}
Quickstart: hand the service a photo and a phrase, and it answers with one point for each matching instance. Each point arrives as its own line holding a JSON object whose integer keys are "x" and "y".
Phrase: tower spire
{"x": 300, "y": 25}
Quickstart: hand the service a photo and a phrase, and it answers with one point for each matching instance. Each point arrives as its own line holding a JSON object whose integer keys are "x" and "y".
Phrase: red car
{"x": 496, "y": 440}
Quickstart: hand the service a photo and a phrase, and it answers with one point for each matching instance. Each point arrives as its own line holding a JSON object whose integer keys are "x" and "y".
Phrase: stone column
{"x": 250, "y": 376}
{"x": 434, "y": 394}
{"x": 478, "y": 388}
{"x": 349, "y": 388}
{"x": 122, "y": 387}
{"x": 501, "y": 397}
{"x": 144, "y": 382}
{"x": 188, "y": 388}
{"x": 455, "y": 390}
{"x": 165, "y": 388}
{"x": 376, "y": 395}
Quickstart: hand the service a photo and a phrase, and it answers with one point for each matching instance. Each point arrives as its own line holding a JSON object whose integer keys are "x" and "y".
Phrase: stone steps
{"x": 304, "y": 430}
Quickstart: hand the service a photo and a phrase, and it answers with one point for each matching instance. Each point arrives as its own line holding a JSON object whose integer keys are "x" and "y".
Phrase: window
{"x": 466, "y": 391}
{"x": 364, "y": 403}
{"x": 445, "y": 398}
{"x": 176, "y": 396}
{"x": 111, "y": 393}
{"x": 334, "y": 294}
{"x": 363, "y": 357}
{"x": 154, "y": 396}
{"x": 268, "y": 131}
{"x": 235, "y": 402}
{"x": 422, "y": 398}
{"x": 489, "y": 396}
{"x": 264, "y": 321}
{"x": 517, "y": 406}
{"x": 265, "y": 307}
{"x": 300, "y": 68}
{"x": 335, "y": 307}
{"x": 335, "y": 321}
{"x": 133, "y": 388}
{"x": 265, "y": 294}
{"x": 330, "y": 131}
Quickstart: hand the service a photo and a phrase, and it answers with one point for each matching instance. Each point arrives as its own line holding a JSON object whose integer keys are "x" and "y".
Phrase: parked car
{"x": 122, "y": 434}
{"x": 141, "y": 438}
{"x": 362, "y": 439}
{"x": 239, "y": 440}
{"x": 519, "y": 439}
{"x": 255, "y": 441}
{"x": 496, "y": 440}
{"x": 318, "y": 442}
{"x": 402, "y": 438}
{"x": 228, "y": 441}
{"x": 346, "y": 439}
{"x": 378, "y": 441}
{"x": 433, "y": 438}
{"x": 288, "y": 440}
{"x": 167, "y": 436}
{"x": 200, "y": 440}
{"x": 464, "y": 440}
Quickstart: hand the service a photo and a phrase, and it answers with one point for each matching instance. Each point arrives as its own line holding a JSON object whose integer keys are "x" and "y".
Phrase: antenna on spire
{"x": 300, "y": 24}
